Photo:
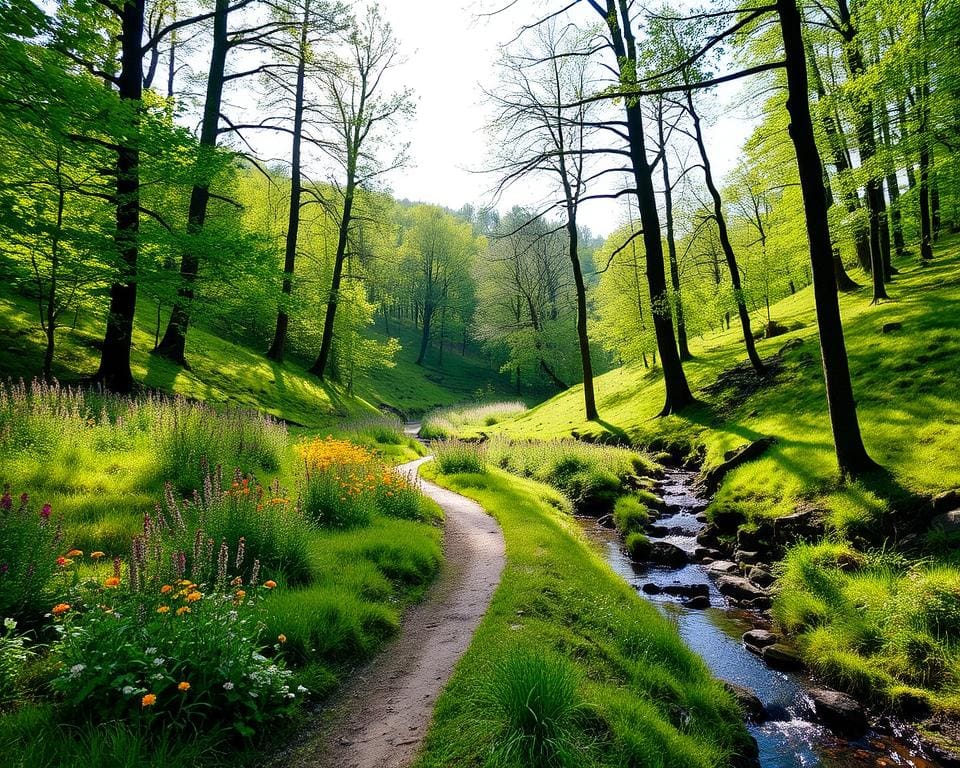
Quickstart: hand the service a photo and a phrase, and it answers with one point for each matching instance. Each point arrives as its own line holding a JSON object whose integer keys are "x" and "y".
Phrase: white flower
{"x": 301, "y": 689}
{"x": 291, "y": 695}
{"x": 150, "y": 651}
{"x": 158, "y": 662}
{"x": 158, "y": 676}
{"x": 253, "y": 694}
{"x": 128, "y": 690}
{"x": 228, "y": 686}
{"x": 10, "y": 624}
{"x": 76, "y": 669}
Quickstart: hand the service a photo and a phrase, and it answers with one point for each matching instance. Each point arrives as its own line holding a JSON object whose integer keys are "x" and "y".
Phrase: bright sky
{"x": 449, "y": 50}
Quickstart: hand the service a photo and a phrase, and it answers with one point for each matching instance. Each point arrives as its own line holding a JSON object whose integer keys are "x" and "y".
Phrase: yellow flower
{"x": 183, "y": 686}
{"x": 163, "y": 609}
{"x": 112, "y": 583}
{"x": 270, "y": 584}
{"x": 148, "y": 700}
{"x": 75, "y": 553}
{"x": 98, "y": 554}
{"x": 165, "y": 589}
{"x": 60, "y": 608}
{"x": 281, "y": 638}
{"x": 183, "y": 609}
{"x": 194, "y": 596}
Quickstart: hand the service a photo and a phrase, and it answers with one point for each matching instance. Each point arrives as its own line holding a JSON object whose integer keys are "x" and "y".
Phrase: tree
{"x": 362, "y": 118}
{"x": 541, "y": 138}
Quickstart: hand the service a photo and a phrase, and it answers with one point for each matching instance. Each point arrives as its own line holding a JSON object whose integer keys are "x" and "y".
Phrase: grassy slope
{"x": 224, "y": 372}
{"x": 904, "y": 381}
{"x": 644, "y": 698}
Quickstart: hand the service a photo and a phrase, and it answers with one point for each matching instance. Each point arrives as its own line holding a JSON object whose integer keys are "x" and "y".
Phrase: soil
{"x": 379, "y": 719}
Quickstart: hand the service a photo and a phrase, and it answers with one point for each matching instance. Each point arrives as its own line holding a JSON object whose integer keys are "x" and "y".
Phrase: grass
{"x": 570, "y": 667}
{"x": 446, "y": 422}
{"x": 908, "y": 405}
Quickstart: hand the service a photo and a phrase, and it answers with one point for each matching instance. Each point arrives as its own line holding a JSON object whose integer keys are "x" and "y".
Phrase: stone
{"x": 665, "y": 553}
{"x": 761, "y": 576}
{"x": 699, "y": 603}
{"x": 759, "y": 638}
{"x": 728, "y": 520}
{"x": 757, "y": 604}
{"x": 749, "y": 702}
{"x": 839, "y": 712}
{"x": 687, "y": 590}
{"x": 891, "y": 327}
{"x": 657, "y": 530}
{"x": 739, "y": 588}
{"x": 723, "y": 566}
{"x": 781, "y": 656}
{"x": 746, "y": 558}
{"x": 733, "y": 459}
{"x": 650, "y": 589}
{"x": 708, "y": 537}
{"x": 946, "y": 501}
{"x": 790, "y": 345}
{"x": 946, "y": 522}
{"x": 606, "y": 521}
{"x": 805, "y": 524}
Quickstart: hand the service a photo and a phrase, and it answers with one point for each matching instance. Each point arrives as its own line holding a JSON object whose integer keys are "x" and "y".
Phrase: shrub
{"x": 629, "y": 515}
{"x": 456, "y": 456}
{"x": 178, "y": 655}
{"x": 384, "y": 429}
{"x": 638, "y": 546}
{"x": 532, "y": 701}
{"x": 931, "y": 602}
{"x": 30, "y": 543}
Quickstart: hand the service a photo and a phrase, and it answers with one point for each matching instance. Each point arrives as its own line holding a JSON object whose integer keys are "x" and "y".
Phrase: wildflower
{"x": 127, "y": 690}
{"x": 241, "y": 594}
{"x": 112, "y": 583}
{"x": 183, "y": 686}
{"x": 158, "y": 662}
{"x": 76, "y": 669}
{"x": 148, "y": 700}
{"x": 61, "y": 608}
{"x": 183, "y": 609}
{"x": 281, "y": 638}
{"x": 10, "y": 624}
{"x": 301, "y": 689}
{"x": 24, "y": 498}
{"x": 97, "y": 555}
{"x": 165, "y": 589}
{"x": 228, "y": 686}
{"x": 150, "y": 651}
{"x": 6, "y": 502}
{"x": 63, "y": 562}
{"x": 270, "y": 584}
{"x": 163, "y": 609}
{"x": 186, "y": 583}
{"x": 194, "y": 596}
{"x": 237, "y": 581}
{"x": 75, "y": 553}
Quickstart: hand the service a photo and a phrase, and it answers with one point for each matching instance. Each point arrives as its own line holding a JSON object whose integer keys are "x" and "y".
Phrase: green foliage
{"x": 455, "y": 456}
{"x": 14, "y": 655}
{"x": 637, "y": 546}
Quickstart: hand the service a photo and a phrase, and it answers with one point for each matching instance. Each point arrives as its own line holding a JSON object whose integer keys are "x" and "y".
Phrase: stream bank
{"x": 790, "y": 734}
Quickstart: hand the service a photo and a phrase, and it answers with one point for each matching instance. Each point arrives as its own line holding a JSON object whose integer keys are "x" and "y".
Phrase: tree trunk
{"x": 114, "y": 372}
{"x": 428, "y": 309}
{"x": 278, "y": 347}
{"x": 326, "y": 342}
{"x": 893, "y": 190}
{"x": 678, "y": 394}
{"x": 725, "y": 243}
{"x": 852, "y": 456}
{"x": 173, "y": 344}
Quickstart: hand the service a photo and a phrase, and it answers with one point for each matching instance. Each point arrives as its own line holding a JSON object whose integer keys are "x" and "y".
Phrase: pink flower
{"x": 24, "y": 498}
{"x": 5, "y": 501}
{"x": 45, "y": 512}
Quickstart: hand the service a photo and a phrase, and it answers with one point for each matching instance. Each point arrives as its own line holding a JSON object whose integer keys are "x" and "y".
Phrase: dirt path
{"x": 380, "y": 718}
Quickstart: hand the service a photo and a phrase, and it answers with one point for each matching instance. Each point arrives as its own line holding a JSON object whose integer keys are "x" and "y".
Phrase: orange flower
{"x": 148, "y": 700}
{"x": 63, "y": 562}
{"x": 60, "y": 608}
{"x": 75, "y": 553}
{"x": 112, "y": 583}
{"x": 98, "y": 554}
{"x": 270, "y": 584}
{"x": 183, "y": 609}
{"x": 183, "y": 686}
{"x": 194, "y": 596}
{"x": 165, "y": 589}
{"x": 163, "y": 609}
{"x": 281, "y": 638}
{"x": 241, "y": 594}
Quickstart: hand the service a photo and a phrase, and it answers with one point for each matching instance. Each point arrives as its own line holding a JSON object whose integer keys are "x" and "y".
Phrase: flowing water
{"x": 790, "y": 738}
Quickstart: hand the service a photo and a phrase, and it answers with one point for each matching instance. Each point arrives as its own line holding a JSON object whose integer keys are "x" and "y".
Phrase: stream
{"x": 791, "y": 737}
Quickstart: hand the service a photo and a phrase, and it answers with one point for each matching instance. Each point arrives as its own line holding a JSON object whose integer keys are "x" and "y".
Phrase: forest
{"x": 628, "y": 440}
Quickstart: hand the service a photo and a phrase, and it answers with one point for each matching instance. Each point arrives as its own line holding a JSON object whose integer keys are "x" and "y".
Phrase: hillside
{"x": 226, "y": 373}
{"x": 904, "y": 380}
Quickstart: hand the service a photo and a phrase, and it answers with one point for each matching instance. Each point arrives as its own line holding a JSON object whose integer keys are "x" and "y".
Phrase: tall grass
{"x": 446, "y": 422}
{"x": 591, "y": 476}
{"x": 454, "y": 456}
{"x": 382, "y": 429}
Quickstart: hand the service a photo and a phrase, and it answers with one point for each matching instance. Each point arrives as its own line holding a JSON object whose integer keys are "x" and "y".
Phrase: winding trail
{"x": 380, "y": 717}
